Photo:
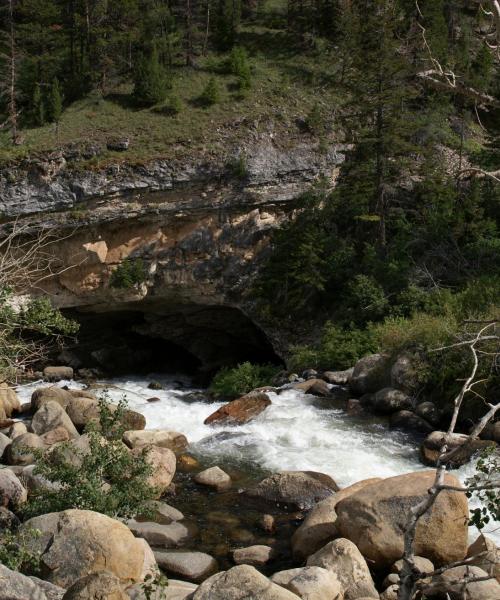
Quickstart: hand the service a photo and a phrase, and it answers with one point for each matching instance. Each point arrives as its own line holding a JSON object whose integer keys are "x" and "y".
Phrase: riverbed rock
{"x": 319, "y": 527}
{"x": 54, "y": 436}
{"x": 172, "y": 535}
{"x": 354, "y": 407}
{"x": 487, "y": 556}
{"x": 424, "y": 565}
{"x": 240, "y": 411}
{"x": 404, "y": 373}
{"x": 58, "y": 373}
{"x": 75, "y": 543}
{"x": 316, "y": 387}
{"x": 409, "y": 421}
{"x": 214, "y": 477}
{"x": 51, "y": 591}
{"x": 310, "y": 583}
{"x": 9, "y": 402}
{"x": 8, "y": 520}
{"x": 257, "y": 556}
{"x": 242, "y": 582}
{"x": 193, "y": 566}
{"x": 369, "y": 374}
{"x": 17, "y": 429}
{"x": 163, "y": 463}
{"x": 429, "y": 412}
{"x": 187, "y": 463}
{"x": 462, "y": 447}
{"x": 35, "y": 482}
{"x": 15, "y": 586}
{"x": 389, "y": 400}
{"x": 294, "y": 489}
{"x": 161, "y": 512}
{"x": 81, "y": 410}
{"x": 97, "y": 586}
{"x": 491, "y": 432}
{"x": 50, "y": 416}
{"x": 343, "y": 558}
{"x": 4, "y": 442}
{"x": 18, "y": 453}
{"x": 12, "y": 491}
{"x": 176, "y": 590}
{"x": 374, "y": 519}
{"x": 451, "y": 582}
{"x": 173, "y": 440}
{"x": 49, "y": 394}
{"x": 338, "y": 377}
{"x": 390, "y": 593}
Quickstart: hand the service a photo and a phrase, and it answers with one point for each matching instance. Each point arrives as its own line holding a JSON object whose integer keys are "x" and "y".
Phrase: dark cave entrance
{"x": 196, "y": 340}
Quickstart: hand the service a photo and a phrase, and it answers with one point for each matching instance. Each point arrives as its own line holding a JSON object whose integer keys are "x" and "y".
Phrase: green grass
{"x": 286, "y": 84}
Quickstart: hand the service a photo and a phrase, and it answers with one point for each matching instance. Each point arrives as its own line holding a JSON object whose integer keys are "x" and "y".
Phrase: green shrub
{"x": 315, "y": 121}
{"x": 236, "y": 381}
{"x": 107, "y": 478}
{"x": 15, "y": 550}
{"x": 150, "y": 80}
{"x": 239, "y": 66}
{"x": 211, "y": 94}
{"x": 128, "y": 274}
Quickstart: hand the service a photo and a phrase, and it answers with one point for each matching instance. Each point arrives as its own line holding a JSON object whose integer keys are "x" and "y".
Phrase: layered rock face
{"x": 198, "y": 231}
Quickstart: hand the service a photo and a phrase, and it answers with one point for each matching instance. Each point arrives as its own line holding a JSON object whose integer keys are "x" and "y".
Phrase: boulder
{"x": 354, "y": 407}
{"x": 390, "y": 593}
{"x": 18, "y": 453}
{"x": 173, "y": 535}
{"x": 242, "y": 582}
{"x": 161, "y": 512}
{"x": 310, "y": 583}
{"x": 404, "y": 373}
{"x": 76, "y": 543}
{"x": 450, "y": 584}
{"x": 83, "y": 394}
{"x": 187, "y": 463}
{"x": 389, "y": 400}
{"x": 149, "y": 566}
{"x": 369, "y": 374}
{"x": 17, "y": 429}
{"x": 486, "y": 555}
{"x": 4, "y": 442}
{"x": 176, "y": 590}
{"x": 214, "y": 477}
{"x": 8, "y": 519}
{"x": 374, "y": 519}
{"x": 405, "y": 419}
{"x": 240, "y": 411}
{"x": 424, "y": 565}
{"x": 9, "y": 402}
{"x": 163, "y": 462}
{"x": 193, "y": 566}
{"x": 462, "y": 447}
{"x": 73, "y": 451}
{"x": 52, "y": 592}
{"x": 257, "y": 556}
{"x": 50, "y": 416}
{"x": 316, "y": 387}
{"x": 50, "y": 394}
{"x": 58, "y": 373}
{"x": 338, "y": 377}
{"x": 491, "y": 432}
{"x": 267, "y": 523}
{"x": 295, "y": 489}
{"x": 97, "y": 586}
{"x": 173, "y": 440}
{"x": 54, "y": 436}
{"x": 342, "y": 558}
{"x": 12, "y": 491}
{"x": 81, "y": 410}
{"x": 34, "y": 481}
{"x": 319, "y": 526}
{"x": 15, "y": 586}
{"x": 429, "y": 412}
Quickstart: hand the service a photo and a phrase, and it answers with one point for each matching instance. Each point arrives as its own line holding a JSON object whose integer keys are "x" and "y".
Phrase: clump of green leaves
{"x": 154, "y": 587}
{"x": 211, "y": 94}
{"x": 229, "y": 383}
{"x": 16, "y": 550}
{"x": 100, "y": 474}
{"x": 486, "y": 476}
{"x": 129, "y": 273}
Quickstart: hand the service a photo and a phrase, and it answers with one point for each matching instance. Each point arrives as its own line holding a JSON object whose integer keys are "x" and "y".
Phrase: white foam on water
{"x": 295, "y": 433}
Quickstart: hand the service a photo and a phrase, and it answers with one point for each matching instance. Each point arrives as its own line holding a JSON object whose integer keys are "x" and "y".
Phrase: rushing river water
{"x": 297, "y": 432}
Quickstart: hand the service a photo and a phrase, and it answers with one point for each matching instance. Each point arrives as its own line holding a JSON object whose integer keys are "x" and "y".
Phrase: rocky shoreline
{"x": 307, "y": 539}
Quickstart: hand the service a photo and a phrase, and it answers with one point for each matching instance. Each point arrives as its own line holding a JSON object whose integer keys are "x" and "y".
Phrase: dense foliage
{"x": 104, "y": 477}
{"x": 230, "y": 383}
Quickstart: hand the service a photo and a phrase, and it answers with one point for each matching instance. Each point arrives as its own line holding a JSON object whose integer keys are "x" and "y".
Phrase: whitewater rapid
{"x": 297, "y": 432}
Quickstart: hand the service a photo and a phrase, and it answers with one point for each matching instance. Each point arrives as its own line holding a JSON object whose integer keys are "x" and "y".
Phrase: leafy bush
{"x": 211, "y": 94}
{"x": 237, "y": 381}
{"x": 15, "y": 550}
{"x": 239, "y": 66}
{"x": 106, "y": 477}
{"x": 128, "y": 274}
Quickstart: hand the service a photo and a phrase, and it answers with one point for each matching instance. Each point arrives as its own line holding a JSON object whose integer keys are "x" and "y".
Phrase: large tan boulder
{"x": 4, "y": 442}
{"x": 315, "y": 387}
{"x": 451, "y": 584}
{"x": 241, "y": 583}
{"x": 9, "y": 402}
{"x": 486, "y": 555}
{"x": 462, "y": 446}
{"x": 173, "y": 440}
{"x": 82, "y": 410}
{"x": 50, "y": 394}
{"x": 342, "y": 558}
{"x": 20, "y": 452}
{"x": 58, "y": 373}
{"x": 163, "y": 462}
{"x": 50, "y": 416}
{"x": 97, "y": 586}
{"x": 77, "y": 543}
{"x": 375, "y": 518}
{"x": 294, "y": 489}
{"x": 319, "y": 527}
{"x": 12, "y": 491}
{"x": 240, "y": 411}
{"x": 310, "y": 583}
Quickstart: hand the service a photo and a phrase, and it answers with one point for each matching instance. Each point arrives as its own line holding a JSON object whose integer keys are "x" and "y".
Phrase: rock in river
{"x": 240, "y": 411}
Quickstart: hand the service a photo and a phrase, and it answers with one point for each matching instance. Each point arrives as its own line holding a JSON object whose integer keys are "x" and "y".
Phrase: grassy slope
{"x": 286, "y": 85}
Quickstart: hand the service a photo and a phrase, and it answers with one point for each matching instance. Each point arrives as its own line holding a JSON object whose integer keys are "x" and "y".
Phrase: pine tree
{"x": 151, "y": 81}
{"x": 38, "y": 106}
{"x": 211, "y": 93}
{"x": 240, "y": 67}
{"x": 55, "y": 102}
{"x": 227, "y": 22}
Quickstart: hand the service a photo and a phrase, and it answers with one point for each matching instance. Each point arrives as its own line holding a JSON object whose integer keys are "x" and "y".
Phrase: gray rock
{"x": 193, "y": 566}
{"x": 257, "y": 555}
{"x": 173, "y": 440}
{"x": 405, "y": 419}
{"x": 173, "y": 535}
{"x": 486, "y": 555}
{"x": 429, "y": 412}
{"x": 310, "y": 583}
{"x": 53, "y": 592}
{"x": 161, "y": 512}
{"x": 17, "y": 429}
{"x": 19, "y": 452}
{"x": 48, "y": 394}
{"x": 12, "y": 491}
{"x": 214, "y": 477}
{"x": 51, "y": 416}
{"x": 338, "y": 377}
{"x": 404, "y": 374}
{"x": 4, "y": 442}
{"x": 369, "y": 374}
{"x": 97, "y": 586}
{"x": 389, "y": 400}
{"x": 451, "y": 582}
{"x": 58, "y": 373}
{"x": 176, "y": 590}
{"x": 15, "y": 586}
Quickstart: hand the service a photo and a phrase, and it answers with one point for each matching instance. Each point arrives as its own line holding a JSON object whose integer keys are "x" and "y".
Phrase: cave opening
{"x": 193, "y": 340}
